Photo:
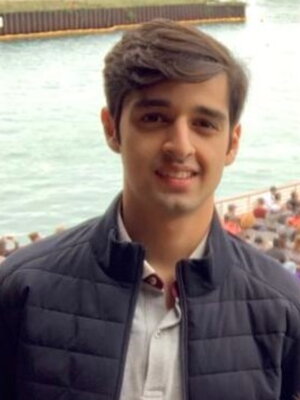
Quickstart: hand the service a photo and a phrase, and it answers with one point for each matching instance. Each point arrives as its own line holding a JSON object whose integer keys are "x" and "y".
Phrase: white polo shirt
{"x": 152, "y": 368}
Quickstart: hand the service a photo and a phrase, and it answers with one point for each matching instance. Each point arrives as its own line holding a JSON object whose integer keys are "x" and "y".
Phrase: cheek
{"x": 213, "y": 155}
{"x": 140, "y": 148}
{"x": 133, "y": 157}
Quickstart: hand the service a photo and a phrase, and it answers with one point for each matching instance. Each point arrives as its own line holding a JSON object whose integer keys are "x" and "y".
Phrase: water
{"x": 54, "y": 165}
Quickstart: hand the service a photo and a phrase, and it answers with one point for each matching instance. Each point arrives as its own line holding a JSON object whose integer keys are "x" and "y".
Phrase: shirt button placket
{"x": 155, "y": 380}
{"x": 158, "y": 334}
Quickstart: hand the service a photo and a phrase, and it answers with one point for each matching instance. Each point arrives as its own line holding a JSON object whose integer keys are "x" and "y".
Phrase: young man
{"x": 154, "y": 300}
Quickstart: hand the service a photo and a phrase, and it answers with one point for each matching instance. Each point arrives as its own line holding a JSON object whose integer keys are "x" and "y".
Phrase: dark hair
{"x": 258, "y": 240}
{"x": 294, "y": 194}
{"x": 231, "y": 207}
{"x": 162, "y": 50}
{"x": 261, "y": 200}
{"x": 277, "y": 196}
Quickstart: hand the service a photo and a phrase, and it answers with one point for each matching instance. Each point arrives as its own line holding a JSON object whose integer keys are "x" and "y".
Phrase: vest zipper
{"x": 183, "y": 332}
{"x": 132, "y": 306}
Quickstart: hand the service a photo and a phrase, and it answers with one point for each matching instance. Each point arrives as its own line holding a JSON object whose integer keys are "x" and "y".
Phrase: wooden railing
{"x": 245, "y": 202}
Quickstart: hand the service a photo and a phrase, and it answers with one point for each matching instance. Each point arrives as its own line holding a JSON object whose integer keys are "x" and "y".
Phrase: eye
{"x": 153, "y": 118}
{"x": 205, "y": 123}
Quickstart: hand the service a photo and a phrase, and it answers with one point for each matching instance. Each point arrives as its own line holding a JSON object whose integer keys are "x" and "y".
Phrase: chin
{"x": 177, "y": 207}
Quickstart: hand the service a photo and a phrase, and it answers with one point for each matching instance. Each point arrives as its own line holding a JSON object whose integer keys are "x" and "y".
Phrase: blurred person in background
{"x": 293, "y": 203}
{"x": 34, "y": 236}
{"x": 294, "y": 253}
{"x": 276, "y": 252}
{"x": 8, "y": 245}
{"x": 260, "y": 210}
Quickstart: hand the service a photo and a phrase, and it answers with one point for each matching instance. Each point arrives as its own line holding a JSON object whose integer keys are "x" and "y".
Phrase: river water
{"x": 54, "y": 165}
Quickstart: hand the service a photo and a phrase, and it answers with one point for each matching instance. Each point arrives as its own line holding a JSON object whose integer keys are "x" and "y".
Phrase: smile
{"x": 174, "y": 174}
{"x": 181, "y": 175}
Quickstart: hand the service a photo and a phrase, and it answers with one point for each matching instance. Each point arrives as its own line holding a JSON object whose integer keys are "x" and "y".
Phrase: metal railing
{"x": 245, "y": 202}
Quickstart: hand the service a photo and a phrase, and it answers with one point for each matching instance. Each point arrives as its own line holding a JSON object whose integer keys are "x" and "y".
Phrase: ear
{"x": 234, "y": 144}
{"x": 110, "y": 130}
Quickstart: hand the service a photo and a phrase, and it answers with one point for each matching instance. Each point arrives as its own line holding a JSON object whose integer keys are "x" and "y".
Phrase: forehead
{"x": 210, "y": 93}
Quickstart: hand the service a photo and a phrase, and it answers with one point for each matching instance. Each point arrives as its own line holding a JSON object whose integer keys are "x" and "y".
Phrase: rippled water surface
{"x": 54, "y": 165}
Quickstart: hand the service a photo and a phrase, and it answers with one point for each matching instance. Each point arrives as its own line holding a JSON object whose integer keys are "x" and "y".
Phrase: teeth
{"x": 177, "y": 175}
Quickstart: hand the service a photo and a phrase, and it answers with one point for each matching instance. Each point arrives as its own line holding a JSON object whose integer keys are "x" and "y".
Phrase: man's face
{"x": 174, "y": 144}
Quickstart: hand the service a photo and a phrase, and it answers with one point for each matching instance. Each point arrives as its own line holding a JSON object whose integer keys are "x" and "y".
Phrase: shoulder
{"x": 50, "y": 253}
{"x": 265, "y": 273}
{"x": 269, "y": 294}
{"x": 62, "y": 262}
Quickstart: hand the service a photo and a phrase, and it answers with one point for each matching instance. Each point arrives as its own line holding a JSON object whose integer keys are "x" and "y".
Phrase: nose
{"x": 178, "y": 145}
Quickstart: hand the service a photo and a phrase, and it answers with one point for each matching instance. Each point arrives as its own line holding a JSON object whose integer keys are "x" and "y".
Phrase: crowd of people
{"x": 272, "y": 226}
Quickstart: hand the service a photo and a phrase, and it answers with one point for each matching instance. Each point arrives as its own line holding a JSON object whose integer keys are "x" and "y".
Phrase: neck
{"x": 167, "y": 239}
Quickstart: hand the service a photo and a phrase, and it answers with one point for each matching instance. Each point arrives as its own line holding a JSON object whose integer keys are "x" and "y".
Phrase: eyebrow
{"x": 209, "y": 112}
{"x": 144, "y": 103}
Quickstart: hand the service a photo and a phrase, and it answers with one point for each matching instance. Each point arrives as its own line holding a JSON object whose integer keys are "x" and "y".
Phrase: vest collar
{"x": 123, "y": 261}
{"x": 202, "y": 275}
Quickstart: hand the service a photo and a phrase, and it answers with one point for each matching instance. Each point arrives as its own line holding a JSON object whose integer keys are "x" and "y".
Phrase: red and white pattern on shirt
{"x": 155, "y": 281}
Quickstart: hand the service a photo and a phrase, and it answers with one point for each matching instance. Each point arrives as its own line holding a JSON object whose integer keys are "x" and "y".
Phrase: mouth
{"x": 180, "y": 175}
{"x": 177, "y": 180}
